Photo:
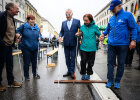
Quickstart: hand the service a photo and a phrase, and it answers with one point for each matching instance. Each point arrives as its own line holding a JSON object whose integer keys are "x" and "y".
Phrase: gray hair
{"x": 9, "y": 6}
{"x": 70, "y": 11}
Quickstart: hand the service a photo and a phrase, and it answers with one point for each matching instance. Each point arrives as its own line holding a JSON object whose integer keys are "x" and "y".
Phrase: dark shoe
{"x": 73, "y": 76}
{"x": 137, "y": 68}
{"x": 36, "y": 77}
{"x": 27, "y": 78}
{"x": 15, "y": 85}
{"x": 2, "y": 88}
{"x": 67, "y": 74}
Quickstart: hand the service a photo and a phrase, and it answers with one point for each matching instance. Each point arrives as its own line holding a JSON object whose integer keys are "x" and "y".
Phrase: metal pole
{"x": 20, "y": 65}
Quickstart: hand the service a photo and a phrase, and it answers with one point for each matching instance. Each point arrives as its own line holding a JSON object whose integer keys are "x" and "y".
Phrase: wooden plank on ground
{"x": 51, "y": 65}
{"x": 79, "y": 81}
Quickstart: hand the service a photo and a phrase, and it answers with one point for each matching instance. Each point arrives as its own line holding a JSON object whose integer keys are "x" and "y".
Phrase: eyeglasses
{"x": 68, "y": 15}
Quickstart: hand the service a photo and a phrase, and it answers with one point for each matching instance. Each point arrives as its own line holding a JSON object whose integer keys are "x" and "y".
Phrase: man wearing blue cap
{"x": 120, "y": 25}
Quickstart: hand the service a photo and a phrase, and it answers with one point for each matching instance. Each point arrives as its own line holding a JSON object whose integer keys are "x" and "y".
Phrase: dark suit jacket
{"x": 3, "y": 26}
{"x": 69, "y": 35}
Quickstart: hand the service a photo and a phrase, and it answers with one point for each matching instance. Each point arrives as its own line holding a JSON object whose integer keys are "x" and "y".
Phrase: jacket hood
{"x": 92, "y": 23}
{"x": 35, "y": 27}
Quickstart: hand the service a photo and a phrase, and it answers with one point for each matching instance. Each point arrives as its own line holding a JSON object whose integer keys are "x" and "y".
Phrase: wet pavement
{"x": 130, "y": 83}
{"x": 44, "y": 88}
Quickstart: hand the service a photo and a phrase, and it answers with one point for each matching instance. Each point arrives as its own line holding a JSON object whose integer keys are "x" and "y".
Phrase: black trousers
{"x": 129, "y": 57}
{"x": 138, "y": 48}
{"x": 6, "y": 58}
{"x": 87, "y": 58}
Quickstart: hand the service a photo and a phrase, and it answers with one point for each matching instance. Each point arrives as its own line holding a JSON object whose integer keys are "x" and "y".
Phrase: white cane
{"x": 37, "y": 60}
{"x": 59, "y": 66}
{"x": 20, "y": 64}
{"x": 76, "y": 56}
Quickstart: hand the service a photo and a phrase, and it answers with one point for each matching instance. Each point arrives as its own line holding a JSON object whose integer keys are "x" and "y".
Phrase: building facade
{"x": 102, "y": 17}
{"x": 20, "y": 18}
{"x": 1, "y": 5}
{"x": 47, "y": 27}
{"x": 30, "y": 9}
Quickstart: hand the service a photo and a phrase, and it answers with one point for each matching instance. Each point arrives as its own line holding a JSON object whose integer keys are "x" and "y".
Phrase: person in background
{"x": 97, "y": 42}
{"x": 29, "y": 45}
{"x": 88, "y": 47}
{"x": 54, "y": 42}
{"x": 7, "y": 41}
{"x": 68, "y": 30}
{"x": 138, "y": 42}
{"x": 105, "y": 43}
{"x": 120, "y": 25}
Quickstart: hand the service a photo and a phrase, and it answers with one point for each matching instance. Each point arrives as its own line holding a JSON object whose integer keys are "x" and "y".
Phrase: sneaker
{"x": 36, "y": 77}
{"x": 15, "y": 85}
{"x": 2, "y": 88}
{"x": 109, "y": 84}
{"x": 83, "y": 77}
{"x": 27, "y": 78}
{"x": 88, "y": 77}
{"x": 117, "y": 85}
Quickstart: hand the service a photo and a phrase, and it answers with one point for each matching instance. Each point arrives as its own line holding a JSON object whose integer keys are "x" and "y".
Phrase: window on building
{"x": 138, "y": 18}
{"x": 107, "y": 20}
{"x": 132, "y": 7}
{"x": 19, "y": 14}
{"x": 126, "y": 0}
{"x": 23, "y": 16}
{"x": 126, "y": 8}
{"x": 139, "y": 4}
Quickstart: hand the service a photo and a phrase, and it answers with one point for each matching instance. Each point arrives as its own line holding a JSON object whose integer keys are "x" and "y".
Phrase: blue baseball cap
{"x": 114, "y": 3}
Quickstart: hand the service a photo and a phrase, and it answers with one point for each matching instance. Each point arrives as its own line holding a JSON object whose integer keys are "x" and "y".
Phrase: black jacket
{"x": 3, "y": 26}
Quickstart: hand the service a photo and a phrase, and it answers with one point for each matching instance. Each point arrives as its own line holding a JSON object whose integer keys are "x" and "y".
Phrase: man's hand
{"x": 60, "y": 39}
{"x": 17, "y": 35}
{"x": 17, "y": 38}
{"x": 132, "y": 45}
{"x": 101, "y": 38}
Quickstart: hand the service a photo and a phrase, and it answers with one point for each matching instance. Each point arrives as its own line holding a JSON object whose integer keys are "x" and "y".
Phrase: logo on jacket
{"x": 120, "y": 21}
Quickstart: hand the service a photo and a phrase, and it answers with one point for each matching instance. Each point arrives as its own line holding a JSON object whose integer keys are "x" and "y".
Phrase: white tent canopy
{"x": 46, "y": 34}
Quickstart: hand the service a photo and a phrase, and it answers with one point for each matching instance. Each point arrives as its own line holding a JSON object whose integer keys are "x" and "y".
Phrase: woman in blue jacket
{"x": 29, "y": 45}
{"x": 88, "y": 48}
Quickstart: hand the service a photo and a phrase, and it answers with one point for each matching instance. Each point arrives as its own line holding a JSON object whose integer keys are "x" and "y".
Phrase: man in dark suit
{"x": 68, "y": 30}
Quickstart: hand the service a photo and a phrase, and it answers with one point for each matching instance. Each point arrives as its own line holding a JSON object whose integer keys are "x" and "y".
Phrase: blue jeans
{"x": 120, "y": 52}
{"x": 29, "y": 56}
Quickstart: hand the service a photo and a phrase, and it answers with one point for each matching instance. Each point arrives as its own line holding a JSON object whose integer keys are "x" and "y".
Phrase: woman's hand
{"x": 77, "y": 34}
